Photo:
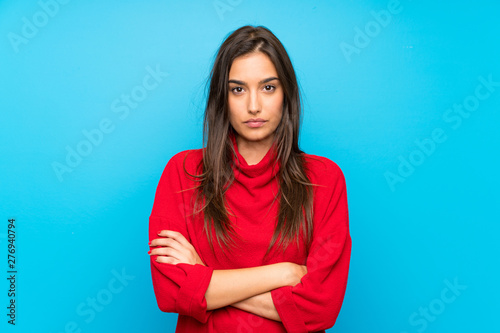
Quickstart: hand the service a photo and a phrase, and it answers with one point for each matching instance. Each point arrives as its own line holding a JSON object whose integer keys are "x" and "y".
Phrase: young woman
{"x": 250, "y": 234}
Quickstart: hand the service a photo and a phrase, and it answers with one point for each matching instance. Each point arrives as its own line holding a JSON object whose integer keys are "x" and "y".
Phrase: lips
{"x": 255, "y": 120}
{"x": 253, "y": 123}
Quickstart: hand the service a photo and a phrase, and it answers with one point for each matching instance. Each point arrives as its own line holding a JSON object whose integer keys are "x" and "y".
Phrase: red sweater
{"x": 310, "y": 306}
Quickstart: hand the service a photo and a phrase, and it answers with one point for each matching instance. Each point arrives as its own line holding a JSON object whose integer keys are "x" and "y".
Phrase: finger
{"x": 176, "y": 240}
{"x": 165, "y": 251}
{"x": 158, "y": 242}
{"x": 168, "y": 252}
{"x": 167, "y": 242}
{"x": 175, "y": 235}
{"x": 159, "y": 239}
{"x": 171, "y": 247}
{"x": 166, "y": 260}
{"x": 154, "y": 242}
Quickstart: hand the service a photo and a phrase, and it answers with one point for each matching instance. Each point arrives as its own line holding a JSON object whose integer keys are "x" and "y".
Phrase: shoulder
{"x": 323, "y": 171}
{"x": 189, "y": 160}
{"x": 190, "y": 157}
{"x": 320, "y": 165}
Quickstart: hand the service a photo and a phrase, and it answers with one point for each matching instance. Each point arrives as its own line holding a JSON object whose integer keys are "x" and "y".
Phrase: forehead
{"x": 253, "y": 66}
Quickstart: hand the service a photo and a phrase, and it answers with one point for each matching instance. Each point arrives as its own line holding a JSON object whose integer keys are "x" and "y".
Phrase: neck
{"x": 253, "y": 152}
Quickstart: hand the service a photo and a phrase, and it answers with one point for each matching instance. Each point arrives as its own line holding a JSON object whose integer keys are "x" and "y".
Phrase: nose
{"x": 254, "y": 105}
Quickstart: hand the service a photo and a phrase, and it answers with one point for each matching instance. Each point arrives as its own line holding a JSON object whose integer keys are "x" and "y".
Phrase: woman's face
{"x": 255, "y": 99}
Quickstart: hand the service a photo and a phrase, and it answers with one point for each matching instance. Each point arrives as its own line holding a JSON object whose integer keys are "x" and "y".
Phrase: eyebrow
{"x": 243, "y": 83}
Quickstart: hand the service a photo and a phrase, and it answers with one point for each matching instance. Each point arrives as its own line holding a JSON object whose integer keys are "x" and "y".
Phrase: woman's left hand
{"x": 174, "y": 249}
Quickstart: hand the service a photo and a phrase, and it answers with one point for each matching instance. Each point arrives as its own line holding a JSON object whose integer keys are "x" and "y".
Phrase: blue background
{"x": 365, "y": 108}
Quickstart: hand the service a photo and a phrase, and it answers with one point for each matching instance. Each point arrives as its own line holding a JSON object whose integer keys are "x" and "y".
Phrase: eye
{"x": 237, "y": 90}
{"x": 269, "y": 87}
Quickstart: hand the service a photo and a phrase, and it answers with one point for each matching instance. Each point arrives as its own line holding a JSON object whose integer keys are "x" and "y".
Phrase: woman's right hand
{"x": 296, "y": 272}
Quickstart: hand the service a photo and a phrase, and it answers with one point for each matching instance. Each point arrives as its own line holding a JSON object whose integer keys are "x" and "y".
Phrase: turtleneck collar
{"x": 263, "y": 170}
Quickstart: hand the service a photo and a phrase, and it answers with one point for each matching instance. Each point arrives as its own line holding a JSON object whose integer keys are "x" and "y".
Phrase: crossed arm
{"x": 243, "y": 288}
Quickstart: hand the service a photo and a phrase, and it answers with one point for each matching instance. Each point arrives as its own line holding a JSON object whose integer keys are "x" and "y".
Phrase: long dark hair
{"x": 295, "y": 192}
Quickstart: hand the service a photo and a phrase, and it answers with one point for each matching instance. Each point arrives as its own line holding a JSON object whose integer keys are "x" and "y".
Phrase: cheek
{"x": 276, "y": 105}
{"x": 232, "y": 121}
{"x": 233, "y": 112}
{"x": 234, "y": 105}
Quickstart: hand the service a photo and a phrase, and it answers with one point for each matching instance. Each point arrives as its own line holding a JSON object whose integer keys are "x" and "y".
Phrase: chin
{"x": 253, "y": 138}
